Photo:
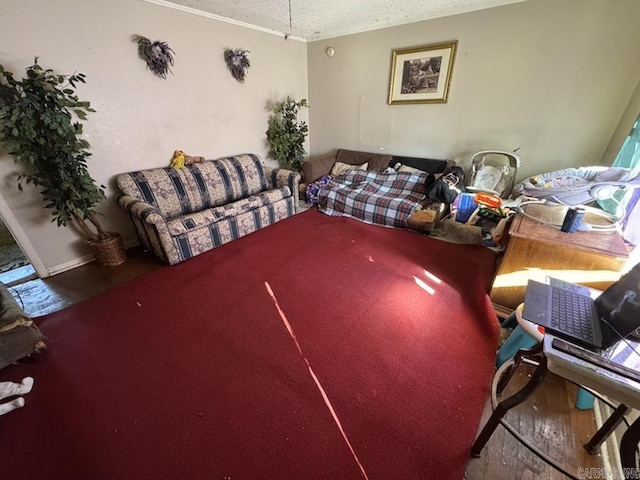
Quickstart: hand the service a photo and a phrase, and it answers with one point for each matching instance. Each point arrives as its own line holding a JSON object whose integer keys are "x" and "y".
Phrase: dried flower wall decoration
{"x": 237, "y": 62}
{"x": 158, "y": 55}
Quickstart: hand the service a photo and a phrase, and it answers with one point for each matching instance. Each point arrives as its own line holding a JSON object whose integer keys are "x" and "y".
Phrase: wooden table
{"x": 537, "y": 248}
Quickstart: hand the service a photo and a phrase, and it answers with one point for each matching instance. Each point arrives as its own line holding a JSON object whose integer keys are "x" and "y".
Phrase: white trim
{"x": 21, "y": 239}
{"x": 78, "y": 262}
{"x": 70, "y": 265}
{"x": 608, "y": 448}
{"x": 213, "y": 16}
{"x": 34, "y": 259}
{"x": 604, "y": 448}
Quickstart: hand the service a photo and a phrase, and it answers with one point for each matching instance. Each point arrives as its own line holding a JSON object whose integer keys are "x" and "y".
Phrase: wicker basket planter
{"x": 109, "y": 251}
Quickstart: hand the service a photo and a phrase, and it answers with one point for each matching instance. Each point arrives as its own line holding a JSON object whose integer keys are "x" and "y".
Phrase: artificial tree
{"x": 40, "y": 127}
{"x": 286, "y": 134}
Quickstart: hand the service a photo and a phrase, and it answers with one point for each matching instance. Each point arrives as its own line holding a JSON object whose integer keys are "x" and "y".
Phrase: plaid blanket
{"x": 382, "y": 199}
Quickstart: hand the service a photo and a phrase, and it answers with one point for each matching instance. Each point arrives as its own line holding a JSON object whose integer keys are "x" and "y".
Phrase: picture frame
{"x": 422, "y": 74}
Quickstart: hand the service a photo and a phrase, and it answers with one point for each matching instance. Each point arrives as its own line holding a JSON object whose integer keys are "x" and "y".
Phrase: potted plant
{"x": 286, "y": 134}
{"x": 40, "y": 126}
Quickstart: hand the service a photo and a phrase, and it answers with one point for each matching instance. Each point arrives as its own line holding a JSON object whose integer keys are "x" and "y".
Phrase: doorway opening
{"x": 15, "y": 267}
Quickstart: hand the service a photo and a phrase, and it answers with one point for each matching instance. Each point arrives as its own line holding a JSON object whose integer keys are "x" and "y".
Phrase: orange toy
{"x": 489, "y": 200}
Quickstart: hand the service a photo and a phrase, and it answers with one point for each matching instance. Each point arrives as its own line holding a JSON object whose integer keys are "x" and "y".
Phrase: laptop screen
{"x": 619, "y": 305}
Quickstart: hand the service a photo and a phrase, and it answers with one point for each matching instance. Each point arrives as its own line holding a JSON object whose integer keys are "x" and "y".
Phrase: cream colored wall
{"x": 550, "y": 77}
{"x": 555, "y": 78}
{"x": 141, "y": 119}
{"x": 624, "y": 127}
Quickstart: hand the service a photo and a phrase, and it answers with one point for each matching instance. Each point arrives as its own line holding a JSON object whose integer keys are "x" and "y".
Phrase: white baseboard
{"x": 78, "y": 262}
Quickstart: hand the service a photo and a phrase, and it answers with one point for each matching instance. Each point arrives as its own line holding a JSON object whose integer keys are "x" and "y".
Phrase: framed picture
{"x": 422, "y": 74}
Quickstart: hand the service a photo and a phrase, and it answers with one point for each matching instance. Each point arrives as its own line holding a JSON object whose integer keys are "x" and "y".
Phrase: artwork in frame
{"x": 422, "y": 74}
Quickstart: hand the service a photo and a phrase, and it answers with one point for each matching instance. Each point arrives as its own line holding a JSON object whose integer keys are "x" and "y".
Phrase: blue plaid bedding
{"x": 381, "y": 199}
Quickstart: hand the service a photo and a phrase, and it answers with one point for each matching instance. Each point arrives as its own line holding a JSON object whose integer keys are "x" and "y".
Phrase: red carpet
{"x": 190, "y": 371}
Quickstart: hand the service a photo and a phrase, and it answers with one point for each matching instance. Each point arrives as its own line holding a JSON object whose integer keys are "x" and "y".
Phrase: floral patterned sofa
{"x": 179, "y": 213}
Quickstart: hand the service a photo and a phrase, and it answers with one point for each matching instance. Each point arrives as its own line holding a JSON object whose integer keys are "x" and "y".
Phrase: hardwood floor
{"x": 549, "y": 418}
{"x": 551, "y": 422}
{"x": 41, "y": 296}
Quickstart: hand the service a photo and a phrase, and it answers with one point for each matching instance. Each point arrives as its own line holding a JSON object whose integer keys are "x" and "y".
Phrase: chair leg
{"x": 536, "y": 350}
{"x": 508, "y": 403}
{"x": 605, "y": 430}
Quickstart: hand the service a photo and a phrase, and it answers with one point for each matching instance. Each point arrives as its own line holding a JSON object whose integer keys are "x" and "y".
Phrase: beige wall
{"x": 141, "y": 119}
{"x": 624, "y": 127}
{"x": 555, "y": 78}
{"x": 552, "y": 77}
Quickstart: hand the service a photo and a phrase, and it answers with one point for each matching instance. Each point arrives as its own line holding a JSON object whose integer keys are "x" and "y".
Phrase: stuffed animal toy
{"x": 10, "y": 389}
{"x": 180, "y": 159}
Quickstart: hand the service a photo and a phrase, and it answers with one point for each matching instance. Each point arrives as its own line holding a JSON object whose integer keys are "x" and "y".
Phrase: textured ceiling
{"x": 320, "y": 19}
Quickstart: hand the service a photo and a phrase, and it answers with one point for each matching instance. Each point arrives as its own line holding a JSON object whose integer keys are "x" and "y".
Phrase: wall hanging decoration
{"x": 158, "y": 55}
{"x": 422, "y": 74}
{"x": 237, "y": 62}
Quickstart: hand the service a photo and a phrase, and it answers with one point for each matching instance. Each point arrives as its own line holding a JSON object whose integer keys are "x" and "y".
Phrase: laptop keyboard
{"x": 571, "y": 313}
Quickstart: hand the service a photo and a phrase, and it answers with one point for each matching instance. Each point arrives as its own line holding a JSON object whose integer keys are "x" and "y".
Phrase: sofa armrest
{"x": 314, "y": 168}
{"x": 10, "y": 311}
{"x": 281, "y": 177}
{"x": 141, "y": 210}
{"x": 151, "y": 227}
{"x": 19, "y": 336}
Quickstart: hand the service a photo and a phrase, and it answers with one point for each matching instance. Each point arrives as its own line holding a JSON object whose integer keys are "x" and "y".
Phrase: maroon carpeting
{"x": 191, "y": 372}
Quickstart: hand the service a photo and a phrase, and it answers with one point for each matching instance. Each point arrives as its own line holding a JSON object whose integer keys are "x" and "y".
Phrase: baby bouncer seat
{"x": 578, "y": 186}
{"x": 493, "y": 171}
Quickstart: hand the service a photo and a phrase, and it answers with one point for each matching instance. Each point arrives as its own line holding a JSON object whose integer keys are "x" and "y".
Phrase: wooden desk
{"x": 536, "y": 250}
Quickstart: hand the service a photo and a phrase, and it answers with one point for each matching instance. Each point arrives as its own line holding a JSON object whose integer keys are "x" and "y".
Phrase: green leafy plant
{"x": 40, "y": 126}
{"x": 286, "y": 134}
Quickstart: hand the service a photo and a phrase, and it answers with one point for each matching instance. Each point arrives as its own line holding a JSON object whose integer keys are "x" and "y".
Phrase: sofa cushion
{"x": 180, "y": 191}
{"x": 339, "y": 168}
{"x": 315, "y": 168}
{"x": 406, "y": 168}
{"x": 377, "y": 162}
{"x": 429, "y": 165}
{"x": 192, "y": 221}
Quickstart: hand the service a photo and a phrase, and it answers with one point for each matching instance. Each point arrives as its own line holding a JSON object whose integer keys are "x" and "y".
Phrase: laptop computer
{"x": 576, "y": 317}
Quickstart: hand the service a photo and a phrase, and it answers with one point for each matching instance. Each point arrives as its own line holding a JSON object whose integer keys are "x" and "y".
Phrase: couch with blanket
{"x": 179, "y": 213}
{"x": 375, "y": 188}
{"x": 316, "y": 167}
